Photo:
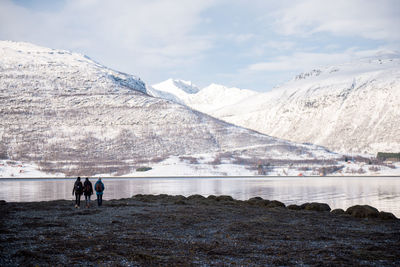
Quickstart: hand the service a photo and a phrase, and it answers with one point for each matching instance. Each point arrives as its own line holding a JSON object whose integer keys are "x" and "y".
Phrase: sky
{"x": 252, "y": 44}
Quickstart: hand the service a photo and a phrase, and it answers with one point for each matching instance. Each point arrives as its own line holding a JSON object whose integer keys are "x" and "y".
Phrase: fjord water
{"x": 339, "y": 192}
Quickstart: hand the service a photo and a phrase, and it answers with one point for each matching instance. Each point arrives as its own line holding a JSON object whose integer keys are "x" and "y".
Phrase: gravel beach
{"x": 163, "y": 230}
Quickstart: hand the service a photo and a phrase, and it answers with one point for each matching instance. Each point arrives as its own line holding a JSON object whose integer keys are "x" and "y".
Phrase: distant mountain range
{"x": 71, "y": 115}
{"x": 348, "y": 108}
{"x": 208, "y": 99}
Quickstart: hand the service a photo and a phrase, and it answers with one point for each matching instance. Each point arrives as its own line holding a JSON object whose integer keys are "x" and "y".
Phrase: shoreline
{"x": 317, "y": 206}
{"x": 153, "y": 230}
{"x": 197, "y": 177}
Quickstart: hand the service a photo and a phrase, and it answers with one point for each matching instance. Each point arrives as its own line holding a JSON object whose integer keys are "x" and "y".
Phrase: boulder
{"x": 179, "y": 198}
{"x": 255, "y": 198}
{"x": 275, "y": 204}
{"x": 257, "y": 201}
{"x": 196, "y": 197}
{"x": 315, "y": 206}
{"x": 387, "y": 216}
{"x": 212, "y": 197}
{"x": 294, "y": 207}
{"x": 363, "y": 211}
{"x": 338, "y": 211}
{"x": 224, "y": 198}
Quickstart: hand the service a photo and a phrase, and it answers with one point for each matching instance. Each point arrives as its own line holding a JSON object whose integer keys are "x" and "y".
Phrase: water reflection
{"x": 339, "y": 192}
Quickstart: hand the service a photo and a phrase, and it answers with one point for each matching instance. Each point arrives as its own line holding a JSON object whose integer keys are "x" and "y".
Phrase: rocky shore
{"x": 164, "y": 230}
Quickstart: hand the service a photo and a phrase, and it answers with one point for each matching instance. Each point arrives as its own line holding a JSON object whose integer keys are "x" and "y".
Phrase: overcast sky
{"x": 247, "y": 44}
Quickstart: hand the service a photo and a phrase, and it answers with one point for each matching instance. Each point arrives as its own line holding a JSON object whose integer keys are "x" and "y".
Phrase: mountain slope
{"x": 353, "y": 107}
{"x": 71, "y": 115}
{"x": 206, "y": 100}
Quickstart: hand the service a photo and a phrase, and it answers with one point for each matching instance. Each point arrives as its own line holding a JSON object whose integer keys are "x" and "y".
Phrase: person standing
{"x": 87, "y": 191}
{"x": 77, "y": 190}
{"x": 99, "y": 187}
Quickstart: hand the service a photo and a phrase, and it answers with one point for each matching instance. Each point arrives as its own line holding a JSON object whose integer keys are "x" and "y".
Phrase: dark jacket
{"x": 87, "y": 188}
{"x": 78, "y": 188}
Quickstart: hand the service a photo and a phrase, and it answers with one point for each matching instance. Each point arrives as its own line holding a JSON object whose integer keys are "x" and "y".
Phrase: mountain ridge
{"x": 71, "y": 115}
{"x": 207, "y": 99}
{"x": 358, "y": 101}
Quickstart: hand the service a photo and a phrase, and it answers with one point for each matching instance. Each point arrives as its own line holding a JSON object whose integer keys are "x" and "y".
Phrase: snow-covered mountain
{"x": 206, "y": 100}
{"x": 353, "y": 107}
{"x": 175, "y": 90}
{"x": 68, "y": 114}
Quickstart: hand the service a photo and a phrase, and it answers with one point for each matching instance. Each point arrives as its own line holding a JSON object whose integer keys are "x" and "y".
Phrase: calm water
{"x": 339, "y": 192}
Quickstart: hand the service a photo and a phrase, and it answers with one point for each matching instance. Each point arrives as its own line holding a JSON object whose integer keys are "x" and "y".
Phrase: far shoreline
{"x": 196, "y": 177}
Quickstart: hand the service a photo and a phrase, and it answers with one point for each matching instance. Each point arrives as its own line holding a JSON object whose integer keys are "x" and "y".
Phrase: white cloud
{"x": 197, "y": 39}
{"x": 135, "y": 35}
{"x": 378, "y": 20}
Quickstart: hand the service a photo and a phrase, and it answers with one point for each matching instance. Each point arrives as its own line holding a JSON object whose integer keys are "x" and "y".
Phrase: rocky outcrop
{"x": 294, "y": 207}
{"x": 338, "y": 211}
{"x": 386, "y": 216}
{"x": 363, "y": 211}
{"x": 315, "y": 206}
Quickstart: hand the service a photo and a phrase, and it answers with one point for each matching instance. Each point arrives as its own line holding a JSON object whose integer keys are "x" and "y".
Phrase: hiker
{"x": 99, "y": 187}
{"x": 87, "y": 191}
{"x": 78, "y": 190}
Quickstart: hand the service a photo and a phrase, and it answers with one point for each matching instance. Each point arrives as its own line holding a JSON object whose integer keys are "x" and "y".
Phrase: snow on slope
{"x": 71, "y": 115}
{"x": 349, "y": 108}
{"x": 174, "y": 90}
{"x": 206, "y": 100}
{"x": 27, "y": 60}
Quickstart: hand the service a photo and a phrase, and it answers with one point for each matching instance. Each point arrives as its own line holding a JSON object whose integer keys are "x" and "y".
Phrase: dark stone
{"x": 315, "y": 206}
{"x": 294, "y": 207}
{"x": 275, "y": 204}
{"x": 224, "y": 198}
{"x": 212, "y": 197}
{"x": 255, "y": 198}
{"x": 363, "y": 211}
{"x": 387, "y": 216}
{"x": 338, "y": 211}
{"x": 196, "y": 197}
{"x": 303, "y": 206}
{"x": 258, "y": 201}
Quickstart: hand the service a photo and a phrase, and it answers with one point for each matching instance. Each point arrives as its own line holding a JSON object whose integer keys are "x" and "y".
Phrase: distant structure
{"x": 394, "y": 157}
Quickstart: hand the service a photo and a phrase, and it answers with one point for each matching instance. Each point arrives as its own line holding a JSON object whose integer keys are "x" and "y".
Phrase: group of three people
{"x": 87, "y": 189}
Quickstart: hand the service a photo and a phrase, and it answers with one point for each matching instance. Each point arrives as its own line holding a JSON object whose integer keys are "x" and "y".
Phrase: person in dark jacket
{"x": 87, "y": 191}
{"x": 77, "y": 190}
{"x": 99, "y": 187}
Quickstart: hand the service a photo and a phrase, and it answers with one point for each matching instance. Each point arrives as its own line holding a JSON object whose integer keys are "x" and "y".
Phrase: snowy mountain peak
{"x": 205, "y": 100}
{"x": 66, "y": 114}
{"x": 356, "y": 102}
{"x": 177, "y": 86}
{"x": 385, "y": 60}
{"x": 20, "y": 55}
{"x": 217, "y": 87}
